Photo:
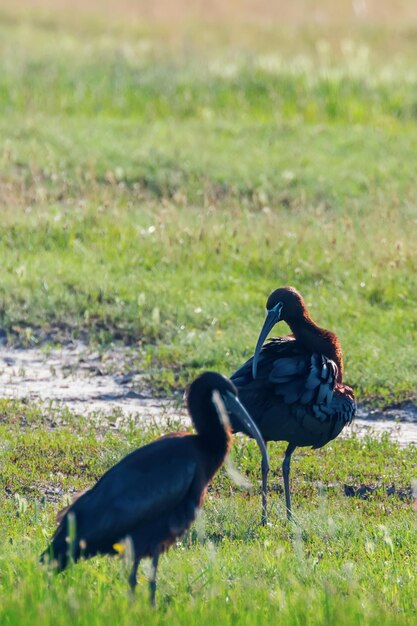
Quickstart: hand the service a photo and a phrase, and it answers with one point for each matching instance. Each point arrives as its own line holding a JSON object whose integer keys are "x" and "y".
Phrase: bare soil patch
{"x": 84, "y": 381}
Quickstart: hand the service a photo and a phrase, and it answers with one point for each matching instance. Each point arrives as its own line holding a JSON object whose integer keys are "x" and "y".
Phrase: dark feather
{"x": 136, "y": 490}
{"x": 295, "y": 396}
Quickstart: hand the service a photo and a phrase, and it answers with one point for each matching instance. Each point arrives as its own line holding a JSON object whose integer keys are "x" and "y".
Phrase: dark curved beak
{"x": 272, "y": 317}
{"x": 233, "y": 405}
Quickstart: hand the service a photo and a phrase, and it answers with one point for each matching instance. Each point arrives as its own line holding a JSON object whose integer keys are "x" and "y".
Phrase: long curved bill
{"x": 272, "y": 317}
{"x": 233, "y": 405}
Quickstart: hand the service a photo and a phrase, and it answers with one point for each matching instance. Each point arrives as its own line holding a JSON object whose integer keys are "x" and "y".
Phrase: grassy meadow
{"x": 157, "y": 180}
{"x": 344, "y": 560}
{"x": 155, "y": 188}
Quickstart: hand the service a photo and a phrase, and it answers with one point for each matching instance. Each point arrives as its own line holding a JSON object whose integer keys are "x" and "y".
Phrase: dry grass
{"x": 293, "y": 12}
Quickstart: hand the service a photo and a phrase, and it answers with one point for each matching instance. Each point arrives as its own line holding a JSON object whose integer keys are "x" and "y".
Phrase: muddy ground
{"x": 91, "y": 382}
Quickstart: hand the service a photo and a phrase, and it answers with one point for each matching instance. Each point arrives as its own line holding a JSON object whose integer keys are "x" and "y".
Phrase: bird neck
{"x": 214, "y": 436}
{"x": 316, "y": 339}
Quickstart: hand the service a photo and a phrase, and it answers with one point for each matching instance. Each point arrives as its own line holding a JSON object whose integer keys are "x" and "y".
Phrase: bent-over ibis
{"x": 292, "y": 386}
{"x": 153, "y": 494}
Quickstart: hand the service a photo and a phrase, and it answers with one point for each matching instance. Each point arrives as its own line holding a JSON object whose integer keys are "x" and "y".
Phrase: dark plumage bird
{"x": 154, "y": 493}
{"x": 293, "y": 386}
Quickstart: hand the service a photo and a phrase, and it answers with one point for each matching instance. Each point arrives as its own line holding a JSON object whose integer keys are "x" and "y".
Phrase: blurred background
{"x": 258, "y": 11}
{"x": 166, "y": 164}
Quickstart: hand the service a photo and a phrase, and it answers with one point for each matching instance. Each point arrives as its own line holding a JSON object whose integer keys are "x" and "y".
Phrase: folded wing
{"x": 295, "y": 395}
{"x": 145, "y": 484}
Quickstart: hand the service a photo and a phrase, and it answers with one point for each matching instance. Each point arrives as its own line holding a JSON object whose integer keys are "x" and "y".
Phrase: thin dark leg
{"x": 133, "y": 574}
{"x": 265, "y": 470}
{"x": 286, "y": 465}
{"x": 152, "y": 582}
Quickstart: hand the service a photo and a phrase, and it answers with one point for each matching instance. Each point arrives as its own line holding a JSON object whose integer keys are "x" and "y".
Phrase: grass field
{"x": 156, "y": 190}
{"x": 157, "y": 180}
{"x": 344, "y": 560}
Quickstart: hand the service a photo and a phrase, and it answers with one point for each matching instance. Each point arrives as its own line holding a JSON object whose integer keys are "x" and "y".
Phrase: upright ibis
{"x": 153, "y": 494}
{"x": 293, "y": 386}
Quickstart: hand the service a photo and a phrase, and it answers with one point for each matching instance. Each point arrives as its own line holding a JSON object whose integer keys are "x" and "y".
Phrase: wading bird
{"x": 153, "y": 494}
{"x": 292, "y": 386}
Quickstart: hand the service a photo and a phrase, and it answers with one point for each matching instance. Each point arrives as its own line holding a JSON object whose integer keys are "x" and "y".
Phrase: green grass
{"x": 158, "y": 199}
{"x": 343, "y": 561}
{"x": 155, "y": 185}
{"x": 155, "y": 193}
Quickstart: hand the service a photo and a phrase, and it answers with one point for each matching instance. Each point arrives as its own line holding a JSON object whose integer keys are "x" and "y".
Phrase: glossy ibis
{"x": 154, "y": 493}
{"x": 292, "y": 386}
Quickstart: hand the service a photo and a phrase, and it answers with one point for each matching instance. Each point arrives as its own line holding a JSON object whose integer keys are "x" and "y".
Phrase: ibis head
{"x": 284, "y": 304}
{"x": 209, "y": 415}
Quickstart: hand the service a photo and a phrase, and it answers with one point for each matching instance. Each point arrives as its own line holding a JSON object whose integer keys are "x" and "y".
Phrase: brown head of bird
{"x": 288, "y": 301}
{"x": 286, "y": 304}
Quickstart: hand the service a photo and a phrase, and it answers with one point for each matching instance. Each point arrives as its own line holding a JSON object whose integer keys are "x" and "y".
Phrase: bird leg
{"x": 133, "y": 574}
{"x": 152, "y": 581}
{"x": 286, "y": 465}
{"x": 265, "y": 470}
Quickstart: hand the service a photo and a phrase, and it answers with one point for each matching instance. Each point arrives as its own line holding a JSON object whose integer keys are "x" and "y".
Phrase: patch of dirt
{"x": 89, "y": 382}
{"x": 399, "y": 421}
{"x": 86, "y": 382}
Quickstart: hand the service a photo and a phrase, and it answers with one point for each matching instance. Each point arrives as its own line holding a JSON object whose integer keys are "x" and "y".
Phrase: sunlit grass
{"x": 155, "y": 194}
{"x": 156, "y": 182}
{"x": 344, "y": 560}
{"x": 189, "y": 285}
